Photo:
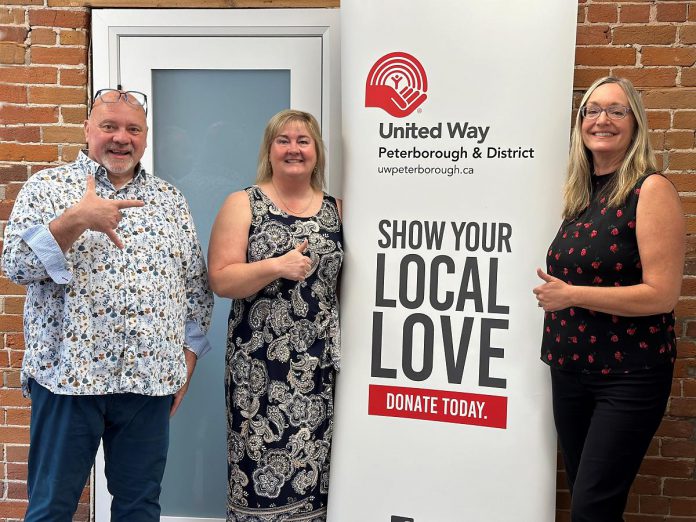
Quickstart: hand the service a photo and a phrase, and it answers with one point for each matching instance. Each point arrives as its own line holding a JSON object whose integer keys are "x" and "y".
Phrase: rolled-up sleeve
{"x": 30, "y": 252}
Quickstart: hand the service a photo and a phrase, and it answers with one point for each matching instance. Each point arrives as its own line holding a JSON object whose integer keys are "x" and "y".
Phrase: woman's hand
{"x": 553, "y": 295}
{"x": 295, "y": 265}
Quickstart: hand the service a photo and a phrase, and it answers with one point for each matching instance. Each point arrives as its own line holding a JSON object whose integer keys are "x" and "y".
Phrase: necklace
{"x": 287, "y": 207}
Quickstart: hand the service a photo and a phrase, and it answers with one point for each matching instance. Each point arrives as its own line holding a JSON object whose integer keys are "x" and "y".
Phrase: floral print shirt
{"x": 97, "y": 319}
{"x": 600, "y": 248}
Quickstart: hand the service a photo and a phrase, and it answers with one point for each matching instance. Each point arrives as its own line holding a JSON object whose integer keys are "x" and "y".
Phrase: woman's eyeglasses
{"x": 614, "y": 112}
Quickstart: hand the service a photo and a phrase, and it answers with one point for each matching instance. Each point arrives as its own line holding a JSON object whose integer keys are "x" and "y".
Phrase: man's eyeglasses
{"x": 134, "y": 98}
{"x": 614, "y": 112}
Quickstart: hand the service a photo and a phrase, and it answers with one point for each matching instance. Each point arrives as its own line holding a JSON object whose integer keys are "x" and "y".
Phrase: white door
{"x": 213, "y": 79}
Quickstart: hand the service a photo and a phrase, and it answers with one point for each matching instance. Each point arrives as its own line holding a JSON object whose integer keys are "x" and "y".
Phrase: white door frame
{"x": 110, "y": 25}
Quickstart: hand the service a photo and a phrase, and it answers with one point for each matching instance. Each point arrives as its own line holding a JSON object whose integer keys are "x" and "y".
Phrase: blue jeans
{"x": 64, "y": 435}
{"x": 605, "y": 424}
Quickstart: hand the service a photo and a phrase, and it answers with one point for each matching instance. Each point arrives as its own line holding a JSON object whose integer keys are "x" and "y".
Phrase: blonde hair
{"x": 638, "y": 162}
{"x": 264, "y": 171}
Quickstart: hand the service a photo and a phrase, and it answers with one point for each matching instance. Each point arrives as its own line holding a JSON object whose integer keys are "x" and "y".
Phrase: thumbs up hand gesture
{"x": 295, "y": 265}
{"x": 553, "y": 293}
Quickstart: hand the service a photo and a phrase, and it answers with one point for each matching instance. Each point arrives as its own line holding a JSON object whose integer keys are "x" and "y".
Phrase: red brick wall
{"x": 43, "y": 78}
{"x": 653, "y": 43}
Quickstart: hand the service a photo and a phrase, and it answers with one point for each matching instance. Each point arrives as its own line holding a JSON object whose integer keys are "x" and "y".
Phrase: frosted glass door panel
{"x": 207, "y": 126}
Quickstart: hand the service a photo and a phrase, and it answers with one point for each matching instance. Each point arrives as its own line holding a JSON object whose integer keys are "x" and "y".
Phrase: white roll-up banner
{"x": 456, "y": 122}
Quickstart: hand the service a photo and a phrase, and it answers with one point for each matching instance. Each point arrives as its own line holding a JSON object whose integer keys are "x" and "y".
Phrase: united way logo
{"x": 396, "y": 83}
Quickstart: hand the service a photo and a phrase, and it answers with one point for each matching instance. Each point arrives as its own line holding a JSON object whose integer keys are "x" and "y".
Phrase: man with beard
{"x": 116, "y": 312}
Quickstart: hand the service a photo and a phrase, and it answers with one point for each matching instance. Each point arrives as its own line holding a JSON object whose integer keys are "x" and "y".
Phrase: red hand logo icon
{"x": 397, "y": 83}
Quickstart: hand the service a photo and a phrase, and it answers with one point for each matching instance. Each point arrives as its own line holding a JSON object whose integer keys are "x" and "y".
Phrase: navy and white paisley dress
{"x": 283, "y": 350}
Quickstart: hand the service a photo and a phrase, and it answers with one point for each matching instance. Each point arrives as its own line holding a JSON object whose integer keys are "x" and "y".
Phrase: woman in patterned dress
{"x": 276, "y": 248}
{"x": 614, "y": 274}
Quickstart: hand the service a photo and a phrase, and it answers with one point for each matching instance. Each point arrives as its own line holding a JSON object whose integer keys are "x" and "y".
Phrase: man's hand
{"x": 191, "y": 360}
{"x": 90, "y": 213}
{"x": 103, "y": 215}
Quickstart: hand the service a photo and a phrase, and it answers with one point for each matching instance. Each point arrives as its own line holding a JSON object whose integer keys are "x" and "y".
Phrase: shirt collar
{"x": 99, "y": 172}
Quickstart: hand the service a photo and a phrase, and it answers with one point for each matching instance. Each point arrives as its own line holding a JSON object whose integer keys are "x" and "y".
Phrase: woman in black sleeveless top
{"x": 613, "y": 277}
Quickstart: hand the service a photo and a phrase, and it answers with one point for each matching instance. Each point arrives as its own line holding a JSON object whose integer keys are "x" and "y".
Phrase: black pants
{"x": 605, "y": 424}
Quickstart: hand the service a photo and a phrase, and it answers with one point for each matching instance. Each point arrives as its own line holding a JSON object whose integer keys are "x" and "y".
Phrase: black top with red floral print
{"x": 599, "y": 248}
